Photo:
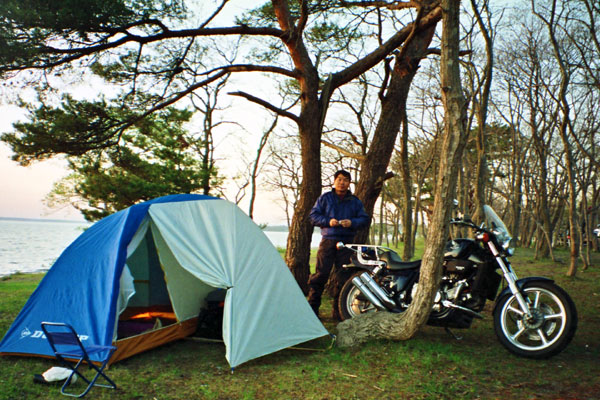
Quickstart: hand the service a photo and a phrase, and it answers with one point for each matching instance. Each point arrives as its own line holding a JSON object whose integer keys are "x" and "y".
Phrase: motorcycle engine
{"x": 437, "y": 302}
{"x": 456, "y": 282}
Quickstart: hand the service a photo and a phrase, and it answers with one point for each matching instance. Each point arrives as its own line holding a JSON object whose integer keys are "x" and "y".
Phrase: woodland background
{"x": 333, "y": 84}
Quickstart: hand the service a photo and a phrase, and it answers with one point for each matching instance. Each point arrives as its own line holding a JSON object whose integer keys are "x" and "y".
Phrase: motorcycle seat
{"x": 395, "y": 263}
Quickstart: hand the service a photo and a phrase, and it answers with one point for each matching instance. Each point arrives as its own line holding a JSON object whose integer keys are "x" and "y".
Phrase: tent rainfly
{"x": 139, "y": 278}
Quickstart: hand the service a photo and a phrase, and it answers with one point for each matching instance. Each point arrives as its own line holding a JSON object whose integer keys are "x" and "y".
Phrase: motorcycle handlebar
{"x": 465, "y": 222}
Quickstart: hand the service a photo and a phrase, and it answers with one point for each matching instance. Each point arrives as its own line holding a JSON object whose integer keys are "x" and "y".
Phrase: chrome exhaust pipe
{"x": 367, "y": 293}
{"x": 377, "y": 290}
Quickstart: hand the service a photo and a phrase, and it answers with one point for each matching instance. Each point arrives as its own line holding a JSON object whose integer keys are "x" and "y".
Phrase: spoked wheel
{"x": 548, "y": 328}
{"x": 352, "y": 302}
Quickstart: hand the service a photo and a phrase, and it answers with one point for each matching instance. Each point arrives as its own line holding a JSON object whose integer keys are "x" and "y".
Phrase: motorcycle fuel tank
{"x": 465, "y": 249}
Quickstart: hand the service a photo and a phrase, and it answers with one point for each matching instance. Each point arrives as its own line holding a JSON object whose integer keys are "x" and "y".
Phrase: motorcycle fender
{"x": 520, "y": 284}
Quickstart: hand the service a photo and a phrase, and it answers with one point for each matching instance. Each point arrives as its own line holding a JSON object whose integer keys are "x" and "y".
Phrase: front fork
{"x": 511, "y": 278}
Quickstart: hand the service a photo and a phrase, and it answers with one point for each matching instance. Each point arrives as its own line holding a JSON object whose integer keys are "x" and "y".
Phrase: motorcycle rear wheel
{"x": 352, "y": 302}
{"x": 547, "y": 332}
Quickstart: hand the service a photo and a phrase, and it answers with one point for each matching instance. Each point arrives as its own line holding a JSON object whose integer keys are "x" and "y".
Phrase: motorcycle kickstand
{"x": 453, "y": 334}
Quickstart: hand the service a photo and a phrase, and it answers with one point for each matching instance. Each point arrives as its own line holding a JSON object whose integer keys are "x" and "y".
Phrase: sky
{"x": 23, "y": 189}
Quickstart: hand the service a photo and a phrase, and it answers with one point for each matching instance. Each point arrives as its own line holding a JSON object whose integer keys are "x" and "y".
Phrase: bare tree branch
{"x": 267, "y": 105}
{"x": 253, "y": 68}
{"x": 73, "y": 53}
{"x": 395, "y": 5}
{"x": 343, "y": 151}
{"x": 342, "y": 77}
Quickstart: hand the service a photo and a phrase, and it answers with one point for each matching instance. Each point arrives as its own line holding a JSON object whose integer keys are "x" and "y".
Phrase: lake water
{"x": 33, "y": 245}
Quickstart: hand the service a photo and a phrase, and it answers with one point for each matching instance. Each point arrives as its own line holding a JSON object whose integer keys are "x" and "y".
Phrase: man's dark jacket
{"x": 329, "y": 206}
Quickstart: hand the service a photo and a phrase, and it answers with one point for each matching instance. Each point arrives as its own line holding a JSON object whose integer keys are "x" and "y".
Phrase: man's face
{"x": 341, "y": 184}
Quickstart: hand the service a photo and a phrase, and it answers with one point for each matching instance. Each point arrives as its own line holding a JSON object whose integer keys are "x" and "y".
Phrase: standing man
{"x": 339, "y": 214}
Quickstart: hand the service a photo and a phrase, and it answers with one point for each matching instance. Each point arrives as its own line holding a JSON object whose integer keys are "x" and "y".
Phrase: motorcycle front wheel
{"x": 546, "y": 331}
{"x": 352, "y": 302}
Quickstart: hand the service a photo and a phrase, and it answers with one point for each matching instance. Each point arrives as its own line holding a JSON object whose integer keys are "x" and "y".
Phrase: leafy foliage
{"x": 37, "y": 33}
{"x": 156, "y": 157}
{"x": 72, "y": 128}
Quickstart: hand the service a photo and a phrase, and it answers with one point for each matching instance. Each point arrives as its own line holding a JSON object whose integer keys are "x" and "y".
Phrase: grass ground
{"x": 433, "y": 365}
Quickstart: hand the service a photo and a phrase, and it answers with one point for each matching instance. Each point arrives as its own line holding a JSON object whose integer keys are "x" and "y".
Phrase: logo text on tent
{"x": 40, "y": 335}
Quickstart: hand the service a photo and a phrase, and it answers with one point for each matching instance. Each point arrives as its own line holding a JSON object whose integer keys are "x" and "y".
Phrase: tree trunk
{"x": 373, "y": 167}
{"x": 312, "y": 116}
{"x": 543, "y": 209}
{"x": 297, "y": 253}
{"x": 573, "y": 225}
{"x": 310, "y": 119}
{"x": 516, "y": 194}
{"x": 403, "y": 326}
{"x": 482, "y": 109}
{"x": 407, "y": 234}
{"x": 263, "y": 142}
{"x": 565, "y": 76}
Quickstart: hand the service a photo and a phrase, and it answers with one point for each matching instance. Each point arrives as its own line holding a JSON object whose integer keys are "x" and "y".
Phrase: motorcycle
{"x": 533, "y": 317}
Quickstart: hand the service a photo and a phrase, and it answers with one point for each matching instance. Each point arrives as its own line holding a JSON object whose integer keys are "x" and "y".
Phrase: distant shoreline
{"x": 68, "y": 221}
{"x": 269, "y": 228}
{"x": 20, "y": 273}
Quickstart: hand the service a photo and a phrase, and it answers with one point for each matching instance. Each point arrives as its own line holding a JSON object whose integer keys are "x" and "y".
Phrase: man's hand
{"x": 346, "y": 223}
{"x": 333, "y": 222}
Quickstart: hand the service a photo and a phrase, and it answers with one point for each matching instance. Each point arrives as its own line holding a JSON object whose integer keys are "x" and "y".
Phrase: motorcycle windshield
{"x": 493, "y": 221}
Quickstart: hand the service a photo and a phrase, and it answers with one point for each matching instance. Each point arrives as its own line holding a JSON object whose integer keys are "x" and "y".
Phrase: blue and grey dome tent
{"x": 139, "y": 278}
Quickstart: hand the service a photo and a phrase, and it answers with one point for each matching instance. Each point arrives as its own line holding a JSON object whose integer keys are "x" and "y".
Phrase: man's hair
{"x": 342, "y": 172}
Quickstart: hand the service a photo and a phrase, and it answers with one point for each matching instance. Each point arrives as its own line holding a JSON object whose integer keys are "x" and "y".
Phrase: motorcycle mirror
{"x": 339, "y": 245}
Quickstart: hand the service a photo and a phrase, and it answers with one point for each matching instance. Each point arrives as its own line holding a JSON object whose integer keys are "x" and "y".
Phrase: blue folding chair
{"x": 67, "y": 347}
